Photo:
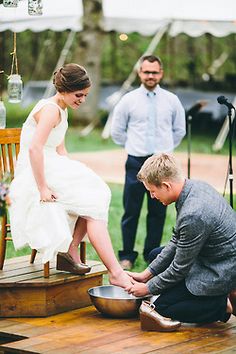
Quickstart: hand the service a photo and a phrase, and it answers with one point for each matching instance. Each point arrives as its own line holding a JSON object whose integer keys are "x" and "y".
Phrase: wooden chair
{"x": 9, "y": 149}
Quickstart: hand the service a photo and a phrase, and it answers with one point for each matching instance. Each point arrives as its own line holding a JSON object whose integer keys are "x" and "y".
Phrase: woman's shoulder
{"x": 47, "y": 102}
{"x": 43, "y": 105}
{"x": 51, "y": 105}
{"x": 48, "y": 106}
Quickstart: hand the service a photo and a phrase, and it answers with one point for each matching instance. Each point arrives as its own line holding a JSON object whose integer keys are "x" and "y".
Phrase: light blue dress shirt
{"x": 130, "y": 122}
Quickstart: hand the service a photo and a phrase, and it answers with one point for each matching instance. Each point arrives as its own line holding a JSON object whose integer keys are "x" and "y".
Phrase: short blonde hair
{"x": 159, "y": 168}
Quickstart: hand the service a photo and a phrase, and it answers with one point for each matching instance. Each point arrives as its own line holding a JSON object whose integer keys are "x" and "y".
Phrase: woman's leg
{"x": 80, "y": 231}
{"x": 100, "y": 239}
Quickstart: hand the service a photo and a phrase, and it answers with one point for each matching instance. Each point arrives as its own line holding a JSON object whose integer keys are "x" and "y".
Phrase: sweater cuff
{"x": 152, "y": 287}
{"x": 151, "y": 270}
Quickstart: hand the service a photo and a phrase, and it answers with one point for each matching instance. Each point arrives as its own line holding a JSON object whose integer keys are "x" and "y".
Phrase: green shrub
{"x": 16, "y": 115}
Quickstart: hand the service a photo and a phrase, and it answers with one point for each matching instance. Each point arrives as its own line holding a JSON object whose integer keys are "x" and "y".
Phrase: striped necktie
{"x": 151, "y": 123}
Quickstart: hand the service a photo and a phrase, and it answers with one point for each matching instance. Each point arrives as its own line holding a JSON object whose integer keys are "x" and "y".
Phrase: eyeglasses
{"x": 151, "y": 73}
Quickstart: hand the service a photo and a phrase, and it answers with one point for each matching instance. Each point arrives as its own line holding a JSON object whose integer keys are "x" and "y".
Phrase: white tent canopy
{"x": 146, "y": 17}
{"x": 57, "y": 16}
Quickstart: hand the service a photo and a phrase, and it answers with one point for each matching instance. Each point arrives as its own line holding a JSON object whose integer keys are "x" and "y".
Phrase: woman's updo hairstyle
{"x": 70, "y": 78}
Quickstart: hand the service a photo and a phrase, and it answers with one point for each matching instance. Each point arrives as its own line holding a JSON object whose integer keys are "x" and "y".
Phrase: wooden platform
{"x": 86, "y": 331}
{"x": 25, "y": 292}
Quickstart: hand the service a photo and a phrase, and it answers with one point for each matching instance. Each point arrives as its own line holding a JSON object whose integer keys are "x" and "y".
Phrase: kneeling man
{"x": 195, "y": 274}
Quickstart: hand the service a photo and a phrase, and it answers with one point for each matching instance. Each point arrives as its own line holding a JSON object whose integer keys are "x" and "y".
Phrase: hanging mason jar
{"x": 15, "y": 88}
{"x": 10, "y": 3}
{"x": 2, "y": 115}
{"x": 35, "y": 7}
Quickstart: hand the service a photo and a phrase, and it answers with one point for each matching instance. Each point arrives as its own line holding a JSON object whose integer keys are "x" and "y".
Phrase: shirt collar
{"x": 143, "y": 88}
{"x": 183, "y": 195}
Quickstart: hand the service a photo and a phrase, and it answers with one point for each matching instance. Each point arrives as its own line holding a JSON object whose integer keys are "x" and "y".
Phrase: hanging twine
{"x": 14, "y": 56}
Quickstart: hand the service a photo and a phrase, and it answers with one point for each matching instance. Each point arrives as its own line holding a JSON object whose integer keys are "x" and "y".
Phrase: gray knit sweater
{"x": 203, "y": 246}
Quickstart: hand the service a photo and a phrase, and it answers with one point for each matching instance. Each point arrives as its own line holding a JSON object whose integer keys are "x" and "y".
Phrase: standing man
{"x": 146, "y": 121}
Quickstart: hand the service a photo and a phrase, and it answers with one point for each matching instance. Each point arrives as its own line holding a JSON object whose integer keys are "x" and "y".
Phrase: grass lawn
{"x": 200, "y": 143}
{"x": 94, "y": 142}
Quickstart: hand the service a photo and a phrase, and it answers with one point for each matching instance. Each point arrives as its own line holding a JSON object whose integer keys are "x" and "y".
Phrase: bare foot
{"x": 121, "y": 279}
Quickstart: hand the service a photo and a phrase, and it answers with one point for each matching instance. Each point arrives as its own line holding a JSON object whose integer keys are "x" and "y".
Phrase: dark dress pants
{"x": 179, "y": 304}
{"x": 154, "y": 253}
{"x": 134, "y": 192}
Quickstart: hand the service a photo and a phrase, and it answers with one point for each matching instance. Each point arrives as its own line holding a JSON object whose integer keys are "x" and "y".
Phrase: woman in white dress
{"x": 56, "y": 200}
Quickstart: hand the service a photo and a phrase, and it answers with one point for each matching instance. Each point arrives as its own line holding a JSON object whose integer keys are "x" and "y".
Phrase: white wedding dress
{"x": 48, "y": 227}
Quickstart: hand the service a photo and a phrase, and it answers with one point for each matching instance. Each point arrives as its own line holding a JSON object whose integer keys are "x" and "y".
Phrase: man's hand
{"x": 142, "y": 277}
{"x": 139, "y": 289}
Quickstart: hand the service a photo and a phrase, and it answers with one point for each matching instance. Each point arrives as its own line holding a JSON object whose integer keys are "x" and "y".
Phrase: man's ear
{"x": 166, "y": 185}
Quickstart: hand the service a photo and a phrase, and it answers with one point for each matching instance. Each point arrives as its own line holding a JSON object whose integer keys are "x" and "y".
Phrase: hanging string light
{"x": 15, "y": 86}
{"x": 35, "y": 7}
{"x": 10, "y": 3}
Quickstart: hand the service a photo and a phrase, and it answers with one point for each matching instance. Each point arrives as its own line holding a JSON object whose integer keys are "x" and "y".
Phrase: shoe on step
{"x": 66, "y": 263}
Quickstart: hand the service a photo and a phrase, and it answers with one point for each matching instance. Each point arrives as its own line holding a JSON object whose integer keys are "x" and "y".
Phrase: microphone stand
{"x": 231, "y": 178}
{"x": 189, "y": 121}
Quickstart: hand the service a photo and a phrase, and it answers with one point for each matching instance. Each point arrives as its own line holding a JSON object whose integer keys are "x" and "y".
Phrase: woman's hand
{"x": 142, "y": 277}
{"x": 47, "y": 195}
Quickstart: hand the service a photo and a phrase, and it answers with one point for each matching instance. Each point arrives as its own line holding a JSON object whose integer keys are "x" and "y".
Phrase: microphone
{"x": 223, "y": 100}
{"x": 196, "y": 108}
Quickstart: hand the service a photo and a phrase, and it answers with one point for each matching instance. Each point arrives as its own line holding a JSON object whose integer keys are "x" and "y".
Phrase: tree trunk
{"x": 89, "y": 55}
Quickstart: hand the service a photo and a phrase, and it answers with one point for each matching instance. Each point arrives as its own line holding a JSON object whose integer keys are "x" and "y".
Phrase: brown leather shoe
{"x": 152, "y": 321}
{"x": 232, "y": 299}
{"x": 126, "y": 264}
{"x": 65, "y": 262}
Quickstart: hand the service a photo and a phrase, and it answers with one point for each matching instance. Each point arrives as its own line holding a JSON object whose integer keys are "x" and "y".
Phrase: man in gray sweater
{"x": 196, "y": 272}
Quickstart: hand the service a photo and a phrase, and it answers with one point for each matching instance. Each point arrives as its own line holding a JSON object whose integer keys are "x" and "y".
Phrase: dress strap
{"x": 45, "y": 102}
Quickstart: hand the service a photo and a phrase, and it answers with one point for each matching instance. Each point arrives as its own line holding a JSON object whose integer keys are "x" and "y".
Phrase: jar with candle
{"x": 2, "y": 115}
{"x": 15, "y": 88}
{"x": 35, "y": 7}
{"x": 10, "y": 3}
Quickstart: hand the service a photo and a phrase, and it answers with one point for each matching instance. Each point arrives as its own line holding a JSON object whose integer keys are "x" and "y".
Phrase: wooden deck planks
{"x": 212, "y": 340}
{"x": 22, "y": 273}
{"x": 24, "y": 292}
{"x": 86, "y": 331}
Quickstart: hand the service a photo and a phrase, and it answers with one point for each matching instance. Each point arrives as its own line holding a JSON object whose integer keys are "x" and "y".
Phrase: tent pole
{"x": 50, "y": 88}
{"x": 116, "y": 96}
{"x": 38, "y": 65}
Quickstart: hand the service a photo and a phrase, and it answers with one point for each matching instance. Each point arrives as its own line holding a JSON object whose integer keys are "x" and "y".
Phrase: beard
{"x": 150, "y": 84}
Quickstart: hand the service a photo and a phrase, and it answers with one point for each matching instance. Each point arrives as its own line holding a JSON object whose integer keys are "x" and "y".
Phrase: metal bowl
{"x": 114, "y": 301}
